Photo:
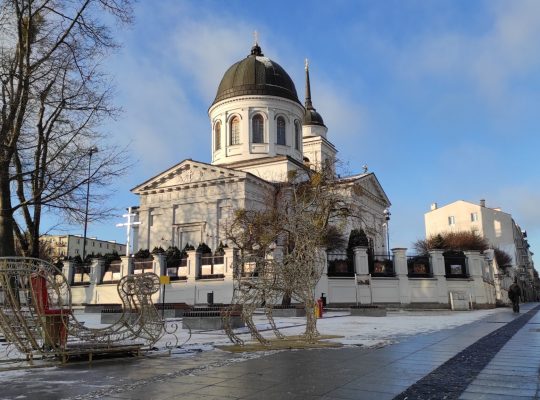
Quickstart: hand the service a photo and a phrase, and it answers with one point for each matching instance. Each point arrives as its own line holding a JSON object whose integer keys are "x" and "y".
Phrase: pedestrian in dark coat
{"x": 514, "y": 293}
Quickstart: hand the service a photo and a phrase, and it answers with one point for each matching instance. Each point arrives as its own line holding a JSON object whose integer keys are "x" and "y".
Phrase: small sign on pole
{"x": 164, "y": 280}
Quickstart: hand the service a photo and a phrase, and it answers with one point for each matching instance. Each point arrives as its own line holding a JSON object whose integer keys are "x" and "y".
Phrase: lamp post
{"x": 387, "y": 218}
{"x": 91, "y": 151}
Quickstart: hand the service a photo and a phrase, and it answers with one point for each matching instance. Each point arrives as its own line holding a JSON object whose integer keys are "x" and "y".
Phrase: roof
{"x": 256, "y": 75}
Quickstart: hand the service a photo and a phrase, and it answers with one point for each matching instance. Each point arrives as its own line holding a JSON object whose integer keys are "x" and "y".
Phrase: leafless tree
{"x": 301, "y": 219}
{"x": 54, "y": 98}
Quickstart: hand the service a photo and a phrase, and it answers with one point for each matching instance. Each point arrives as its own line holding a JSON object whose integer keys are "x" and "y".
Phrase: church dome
{"x": 312, "y": 117}
{"x": 256, "y": 75}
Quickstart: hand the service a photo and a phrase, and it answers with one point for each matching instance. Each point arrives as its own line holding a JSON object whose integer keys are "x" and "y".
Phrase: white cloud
{"x": 488, "y": 60}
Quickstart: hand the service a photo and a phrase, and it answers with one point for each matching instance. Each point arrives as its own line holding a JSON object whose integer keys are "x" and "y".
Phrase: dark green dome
{"x": 312, "y": 117}
{"x": 256, "y": 75}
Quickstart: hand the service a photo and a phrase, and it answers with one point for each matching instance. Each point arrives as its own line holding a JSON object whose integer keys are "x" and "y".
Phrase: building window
{"x": 451, "y": 220}
{"x": 281, "y": 131}
{"x": 297, "y": 135}
{"x": 257, "y": 127}
{"x": 235, "y": 131}
{"x": 474, "y": 217}
{"x": 217, "y": 135}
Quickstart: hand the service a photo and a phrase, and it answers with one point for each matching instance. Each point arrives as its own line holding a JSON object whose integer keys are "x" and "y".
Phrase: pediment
{"x": 188, "y": 172}
{"x": 370, "y": 184}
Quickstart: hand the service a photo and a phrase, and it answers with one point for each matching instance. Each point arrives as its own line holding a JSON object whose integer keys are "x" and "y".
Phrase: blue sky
{"x": 439, "y": 98}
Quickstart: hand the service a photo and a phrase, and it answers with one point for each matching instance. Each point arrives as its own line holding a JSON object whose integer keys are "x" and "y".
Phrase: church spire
{"x": 308, "y": 103}
{"x": 311, "y": 116}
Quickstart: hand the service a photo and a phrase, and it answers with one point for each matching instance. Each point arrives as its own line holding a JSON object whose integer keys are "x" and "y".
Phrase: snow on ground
{"x": 356, "y": 331}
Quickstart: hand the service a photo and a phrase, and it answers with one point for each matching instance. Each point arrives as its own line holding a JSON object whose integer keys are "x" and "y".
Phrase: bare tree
{"x": 301, "y": 219}
{"x": 54, "y": 98}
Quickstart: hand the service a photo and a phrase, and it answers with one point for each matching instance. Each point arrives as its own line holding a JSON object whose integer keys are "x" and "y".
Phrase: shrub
{"x": 503, "y": 258}
{"x": 454, "y": 241}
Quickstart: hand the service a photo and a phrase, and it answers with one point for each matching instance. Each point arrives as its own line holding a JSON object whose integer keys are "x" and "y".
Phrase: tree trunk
{"x": 311, "y": 332}
{"x": 7, "y": 244}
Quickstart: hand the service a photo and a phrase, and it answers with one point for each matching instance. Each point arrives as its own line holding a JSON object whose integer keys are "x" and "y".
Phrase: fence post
{"x": 228, "y": 262}
{"x": 68, "y": 270}
{"x": 474, "y": 266}
{"x": 159, "y": 267}
{"x": 127, "y": 266}
{"x": 361, "y": 263}
{"x": 363, "y": 279}
{"x": 400, "y": 265}
{"x": 96, "y": 270}
{"x": 439, "y": 272}
{"x": 194, "y": 264}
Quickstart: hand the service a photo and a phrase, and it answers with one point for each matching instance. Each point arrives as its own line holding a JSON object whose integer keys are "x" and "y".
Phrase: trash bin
{"x": 210, "y": 298}
{"x": 323, "y": 298}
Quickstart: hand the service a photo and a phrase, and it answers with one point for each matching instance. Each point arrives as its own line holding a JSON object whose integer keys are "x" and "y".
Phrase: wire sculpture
{"x": 36, "y": 315}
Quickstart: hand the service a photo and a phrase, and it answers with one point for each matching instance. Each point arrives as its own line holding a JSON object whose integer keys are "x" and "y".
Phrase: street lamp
{"x": 387, "y": 214}
{"x": 91, "y": 151}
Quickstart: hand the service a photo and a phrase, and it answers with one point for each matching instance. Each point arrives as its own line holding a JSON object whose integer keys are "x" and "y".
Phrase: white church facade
{"x": 260, "y": 134}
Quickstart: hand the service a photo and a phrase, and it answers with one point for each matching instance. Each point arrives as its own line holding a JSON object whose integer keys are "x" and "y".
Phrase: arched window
{"x": 258, "y": 128}
{"x": 235, "y": 131}
{"x": 297, "y": 135}
{"x": 281, "y": 131}
{"x": 217, "y": 135}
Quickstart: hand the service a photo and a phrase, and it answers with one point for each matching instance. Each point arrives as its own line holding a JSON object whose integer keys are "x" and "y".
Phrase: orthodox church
{"x": 260, "y": 132}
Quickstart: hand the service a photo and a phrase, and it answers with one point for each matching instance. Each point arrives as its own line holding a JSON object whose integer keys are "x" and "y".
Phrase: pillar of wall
{"x": 194, "y": 264}
{"x": 127, "y": 266}
{"x": 96, "y": 270}
{"x": 159, "y": 266}
{"x": 475, "y": 262}
{"x": 439, "y": 272}
{"x": 363, "y": 278}
{"x": 400, "y": 267}
{"x": 229, "y": 257}
{"x": 67, "y": 270}
{"x": 361, "y": 263}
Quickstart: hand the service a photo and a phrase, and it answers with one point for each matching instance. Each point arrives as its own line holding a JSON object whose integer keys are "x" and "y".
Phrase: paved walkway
{"x": 507, "y": 367}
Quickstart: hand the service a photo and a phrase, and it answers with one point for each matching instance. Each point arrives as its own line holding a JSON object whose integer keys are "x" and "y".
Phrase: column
{"x": 127, "y": 266}
{"x": 474, "y": 266}
{"x": 159, "y": 267}
{"x": 96, "y": 270}
{"x": 439, "y": 272}
{"x": 194, "y": 264}
{"x": 67, "y": 270}
{"x": 400, "y": 266}
{"x": 363, "y": 278}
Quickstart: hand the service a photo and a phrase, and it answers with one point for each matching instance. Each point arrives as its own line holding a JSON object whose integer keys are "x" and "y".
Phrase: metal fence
{"x": 112, "y": 272}
{"x": 381, "y": 265}
{"x": 176, "y": 268}
{"x": 340, "y": 265}
{"x": 419, "y": 267}
{"x": 142, "y": 266}
{"x": 455, "y": 264}
{"x": 81, "y": 275}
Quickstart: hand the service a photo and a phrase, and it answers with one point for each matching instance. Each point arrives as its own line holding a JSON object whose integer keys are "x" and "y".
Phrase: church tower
{"x": 317, "y": 149}
{"x": 256, "y": 119}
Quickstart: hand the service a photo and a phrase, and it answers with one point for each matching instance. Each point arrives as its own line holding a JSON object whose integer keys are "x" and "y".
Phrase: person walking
{"x": 514, "y": 293}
